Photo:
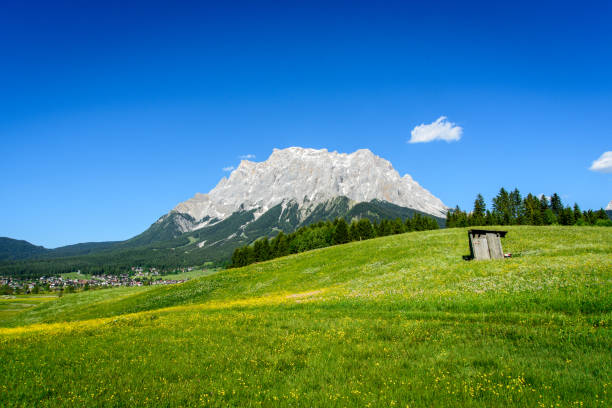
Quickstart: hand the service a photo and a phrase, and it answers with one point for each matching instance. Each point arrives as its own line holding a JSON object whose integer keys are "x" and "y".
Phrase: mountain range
{"x": 294, "y": 187}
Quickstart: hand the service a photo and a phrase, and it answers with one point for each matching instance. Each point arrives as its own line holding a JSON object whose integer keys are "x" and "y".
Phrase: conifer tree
{"x": 376, "y": 228}
{"x": 364, "y": 229}
{"x": 258, "y": 251}
{"x": 478, "y": 214}
{"x": 549, "y": 217}
{"x": 601, "y": 215}
{"x": 265, "y": 249}
{"x": 353, "y": 232}
{"x": 341, "y": 232}
{"x": 278, "y": 246}
{"x": 450, "y": 220}
{"x": 236, "y": 261}
{"x": 502, "y": 207}
{"x": 543, "y": 203}
{"x": 532, "y": 209}
{"x": 432, "y": 224}
{"x": 555, "y": 204}
{"x": 398, "y": 226}
{"x": 517, "y": 211}
{"x": 384, "y": 228}
{"x": 566, "y": 216}
{"x": 479, "y": 206}
{"x": 410, "y": 224}
{"x": 577, "y": 213}
{"x": 489, "y": 218}
{"x": 460, "y": 218}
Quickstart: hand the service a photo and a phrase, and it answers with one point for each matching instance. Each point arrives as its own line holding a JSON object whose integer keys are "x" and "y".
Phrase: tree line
{"x": 326, "y": 233}
{"x": 510, "y": 208}
{"x": 103, "y": 263}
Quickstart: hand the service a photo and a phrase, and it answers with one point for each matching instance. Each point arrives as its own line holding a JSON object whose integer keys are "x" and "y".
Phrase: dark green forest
{"x": 510, "y": 208}
{"x": 323, "y": 234}
{"x": 107, "y": 262}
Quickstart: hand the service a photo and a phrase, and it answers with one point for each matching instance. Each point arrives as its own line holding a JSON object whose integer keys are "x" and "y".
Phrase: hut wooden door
{"x": 480, "y": 245}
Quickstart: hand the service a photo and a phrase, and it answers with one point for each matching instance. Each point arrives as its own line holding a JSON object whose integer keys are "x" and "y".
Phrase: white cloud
{"x": 441, "y": 129}
{"x": 228, "y": 168}
{"x": 603, "y": 164}
{"x": 247, "y": 156}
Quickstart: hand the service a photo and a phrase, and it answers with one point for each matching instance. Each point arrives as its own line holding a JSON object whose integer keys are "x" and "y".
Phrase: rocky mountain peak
{"x": 309, "y": 177}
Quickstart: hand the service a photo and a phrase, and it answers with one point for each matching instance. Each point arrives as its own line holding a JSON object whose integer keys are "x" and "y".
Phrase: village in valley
{"x": 76, "y": 281}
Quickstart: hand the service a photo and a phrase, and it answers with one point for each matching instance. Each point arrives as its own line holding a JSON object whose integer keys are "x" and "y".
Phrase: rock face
{"x": 306, "y": 177}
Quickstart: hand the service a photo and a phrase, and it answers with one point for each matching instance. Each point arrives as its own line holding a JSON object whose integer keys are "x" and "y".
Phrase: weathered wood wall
{"x": 495, "y": 248}
{"x": 485, "y": 245}
{"x": 481, "y": 247}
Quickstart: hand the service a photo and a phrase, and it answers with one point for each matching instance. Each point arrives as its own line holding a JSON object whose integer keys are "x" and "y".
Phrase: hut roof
{"x": 482, "y": 231}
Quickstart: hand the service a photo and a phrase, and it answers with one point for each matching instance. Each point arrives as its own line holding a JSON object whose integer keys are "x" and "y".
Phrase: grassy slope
{"x": 12, "y": 305}
{"x": 196, "y": 273}
{"x": 398, "y": 320}
{"x": 76, "y": 275}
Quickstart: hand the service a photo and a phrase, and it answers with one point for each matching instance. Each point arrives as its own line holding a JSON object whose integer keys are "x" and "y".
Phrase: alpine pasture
{"x": 394, "y": 321}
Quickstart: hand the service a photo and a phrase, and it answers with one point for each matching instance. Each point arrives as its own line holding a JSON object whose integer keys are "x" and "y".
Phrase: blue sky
{"x": 111, "y": 114}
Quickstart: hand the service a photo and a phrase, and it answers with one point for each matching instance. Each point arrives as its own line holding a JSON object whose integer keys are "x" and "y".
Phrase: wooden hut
{"x": 486, "y": 244}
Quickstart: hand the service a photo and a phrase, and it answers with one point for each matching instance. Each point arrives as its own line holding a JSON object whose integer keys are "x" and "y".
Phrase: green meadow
{"x": 11, "y": 305}
{"x": 76, "y": 275}
{"x": 196, "y": 273}
{"x": 394, "y": 321}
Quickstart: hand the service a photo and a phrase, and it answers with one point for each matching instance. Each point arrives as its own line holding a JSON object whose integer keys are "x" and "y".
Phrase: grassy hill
{"x": 394, "y": 321}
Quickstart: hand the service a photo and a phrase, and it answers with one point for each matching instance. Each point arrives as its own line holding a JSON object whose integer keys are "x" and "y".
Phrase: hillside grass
{"x": 394, "y": 321}
{"x": 196, "y": 273}
{"x": 76, "y": 275}
{"x": 12, "y": 305}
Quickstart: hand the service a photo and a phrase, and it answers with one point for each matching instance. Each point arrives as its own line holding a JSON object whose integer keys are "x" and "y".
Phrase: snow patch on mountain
{"x": 308, "y": 177}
